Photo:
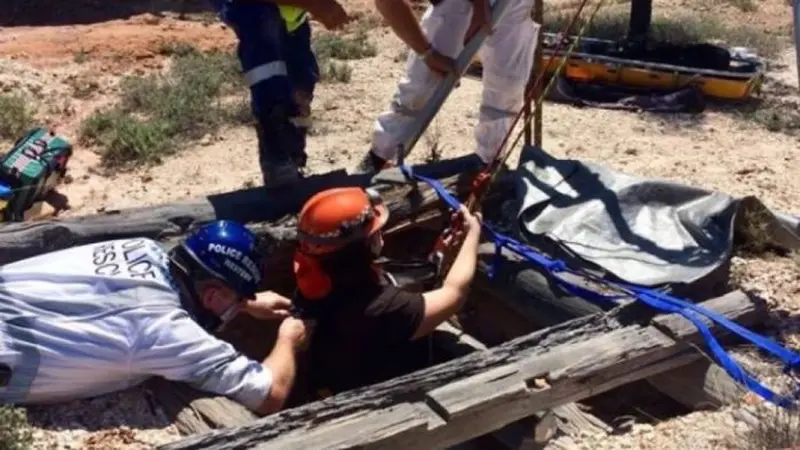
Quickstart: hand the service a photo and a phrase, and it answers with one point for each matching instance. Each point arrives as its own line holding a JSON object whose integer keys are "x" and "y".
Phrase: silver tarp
{"x": 644, "y": 231}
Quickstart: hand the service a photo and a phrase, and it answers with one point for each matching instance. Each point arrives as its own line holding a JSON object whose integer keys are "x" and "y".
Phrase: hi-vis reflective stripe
{"x": 265, "y": 72}
{"x": 301, "y": 121}
{"x": 292, "y": 16}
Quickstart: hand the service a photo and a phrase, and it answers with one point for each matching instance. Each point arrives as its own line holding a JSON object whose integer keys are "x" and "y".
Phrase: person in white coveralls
{"x": 506, "y": 57}
{"x": 103, "y": 317}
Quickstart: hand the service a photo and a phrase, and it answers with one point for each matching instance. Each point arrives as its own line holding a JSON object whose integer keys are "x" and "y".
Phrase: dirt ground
{"x": 44, "y": 55}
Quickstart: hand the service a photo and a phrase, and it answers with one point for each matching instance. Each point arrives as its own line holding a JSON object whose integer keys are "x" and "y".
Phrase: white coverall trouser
{"x": 506, "y": 56}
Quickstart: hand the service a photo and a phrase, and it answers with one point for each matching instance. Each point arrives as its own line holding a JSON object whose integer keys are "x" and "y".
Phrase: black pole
{"x": 639, "y": 24}
{"x": 796, "y": 14}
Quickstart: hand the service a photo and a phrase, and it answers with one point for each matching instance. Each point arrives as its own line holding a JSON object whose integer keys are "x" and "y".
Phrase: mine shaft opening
{"x": 255, "y": 338}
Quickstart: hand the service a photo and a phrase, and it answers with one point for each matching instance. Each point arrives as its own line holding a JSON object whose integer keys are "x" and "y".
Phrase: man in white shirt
{"x": 103, "y": 317}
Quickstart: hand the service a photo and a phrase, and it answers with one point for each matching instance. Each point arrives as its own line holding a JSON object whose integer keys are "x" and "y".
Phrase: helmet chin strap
{"x": 226, "y": 316}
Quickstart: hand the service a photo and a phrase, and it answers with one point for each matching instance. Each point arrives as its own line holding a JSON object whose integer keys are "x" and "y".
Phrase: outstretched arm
{"x": 448, "y": 299}
{"x": 177, "y": 348}
{"x": 329, "y": 12}
{"x": 282, "y": 362}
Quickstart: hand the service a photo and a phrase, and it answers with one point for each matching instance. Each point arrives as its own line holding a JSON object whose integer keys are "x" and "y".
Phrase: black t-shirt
{"x": 364, "y": 338}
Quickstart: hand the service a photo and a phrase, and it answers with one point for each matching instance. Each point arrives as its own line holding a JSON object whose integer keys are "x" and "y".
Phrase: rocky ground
{"x": 73, "y": 66}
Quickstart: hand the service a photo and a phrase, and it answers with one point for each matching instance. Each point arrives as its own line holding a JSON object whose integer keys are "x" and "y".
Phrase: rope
{"x": 550, "y": 84}
{"x": 444, "y": 255}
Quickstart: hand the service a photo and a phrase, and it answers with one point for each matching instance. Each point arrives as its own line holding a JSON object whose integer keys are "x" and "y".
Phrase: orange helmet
{"x": 336, "y": 217}
{"x": 329, "y": 221}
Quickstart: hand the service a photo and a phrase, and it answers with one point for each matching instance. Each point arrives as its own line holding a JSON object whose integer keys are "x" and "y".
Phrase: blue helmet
{"x": 228, "y": 251}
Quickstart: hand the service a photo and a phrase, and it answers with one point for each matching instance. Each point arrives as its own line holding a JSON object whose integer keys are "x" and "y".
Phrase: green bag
{"x": 32, "y": 169}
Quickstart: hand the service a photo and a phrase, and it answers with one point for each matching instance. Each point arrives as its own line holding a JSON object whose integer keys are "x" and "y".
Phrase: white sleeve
{"x": 177, "y": 348}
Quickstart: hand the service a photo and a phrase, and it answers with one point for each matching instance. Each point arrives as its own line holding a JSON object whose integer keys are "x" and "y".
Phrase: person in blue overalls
{"x": 280, "y": 68}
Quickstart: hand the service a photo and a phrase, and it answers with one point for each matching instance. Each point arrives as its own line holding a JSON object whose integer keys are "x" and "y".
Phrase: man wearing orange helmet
{"x": 368, "y": 329}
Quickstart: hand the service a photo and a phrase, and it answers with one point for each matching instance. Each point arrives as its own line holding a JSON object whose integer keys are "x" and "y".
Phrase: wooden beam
{"x": 535, "y": 296}
{"x": 569, "y": 419}
{"x": 193, "y": 411}
{"x": 484, "y": 391}
{"x": 270, "y": 207}
{"x": 701, "y": 385}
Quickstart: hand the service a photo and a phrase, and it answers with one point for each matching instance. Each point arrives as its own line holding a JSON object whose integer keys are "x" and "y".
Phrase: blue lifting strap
{"x": 651, "y": 297}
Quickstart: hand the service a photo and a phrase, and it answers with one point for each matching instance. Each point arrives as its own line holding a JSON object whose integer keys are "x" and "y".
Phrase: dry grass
{"x": 334, "y": 50}
{"x": 157, "y": 113}
{"x": 83, "y": 87}
{"x": 742, "y": 5}
{"x": 680, "y": 28}
{"x": 773, "y": 429}
{"x": 16, "y": 117}
{"x": 753, "y": 232}
{"x": 15, "y": 432}
{"x": 433, "y": 141}
{"x": 777, "y": 109}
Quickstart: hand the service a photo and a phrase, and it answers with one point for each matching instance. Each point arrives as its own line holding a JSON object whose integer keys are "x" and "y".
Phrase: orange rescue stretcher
{"x": 604, "y": 61}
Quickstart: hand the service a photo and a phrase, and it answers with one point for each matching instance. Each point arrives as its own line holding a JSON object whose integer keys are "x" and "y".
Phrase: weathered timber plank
{"x": 572, "y": 372}
{"x": 499, "y": 414}
{"x": 569, "y": 418}
{"x": 402, "y": 423}
{"x": 604, "y": 352}
{"x": 575, "y": 422}
{"x": 194, "y": 411}
{"x": 390, "y": 392}
{"x": 504, "y": 384}
{"x": 25, "y": 239}
{"x": 700, "y": 385}
{"x": 536, "y": 297}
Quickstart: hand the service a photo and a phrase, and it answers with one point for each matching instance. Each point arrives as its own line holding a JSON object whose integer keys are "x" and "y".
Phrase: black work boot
{"x": 372, "y": 163}
{"x": 277, "y": 168}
